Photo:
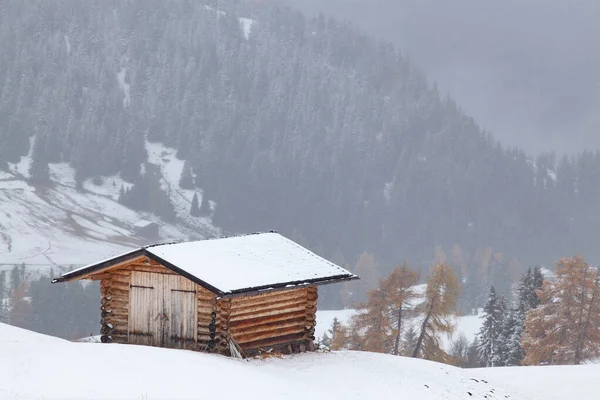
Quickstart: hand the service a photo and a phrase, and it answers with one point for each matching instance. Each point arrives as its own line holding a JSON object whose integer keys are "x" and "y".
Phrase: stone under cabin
{"x": 238, "y": 296}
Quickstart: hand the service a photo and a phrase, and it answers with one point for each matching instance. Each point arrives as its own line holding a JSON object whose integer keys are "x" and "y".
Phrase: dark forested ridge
{"x": 308, "y": 126}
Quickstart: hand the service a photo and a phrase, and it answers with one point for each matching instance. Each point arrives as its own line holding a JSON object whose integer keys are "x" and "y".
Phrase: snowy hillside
{"x": 35, "y": 366}
{"x": 60, "y": 225}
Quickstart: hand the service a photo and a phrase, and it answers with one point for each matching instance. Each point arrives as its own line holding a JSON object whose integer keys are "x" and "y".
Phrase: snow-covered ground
{"x": 62, "y": 226}
{"x": 549, "y": 383}
{"x": 35, "y": 366}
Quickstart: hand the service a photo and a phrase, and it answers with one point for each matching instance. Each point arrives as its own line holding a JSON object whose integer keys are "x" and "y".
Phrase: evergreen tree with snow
{"x": 490, "y": 344}
{"x": 513, "y": 333}
{"x": 194, "y": 209}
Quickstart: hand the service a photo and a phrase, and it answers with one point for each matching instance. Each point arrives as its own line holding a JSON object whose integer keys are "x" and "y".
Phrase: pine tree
{"x": 409, "y": 341}
{"x": 20, "y": 308}
{"x": 329, "y": 335}
{"x": 473, "y": 360}
{"x": 187, "y": 177}
{"x": 514, "y": 325}
{"x": 39, "y": 171}
{"x": 437, "y": 312}
{"x": 194, "y": 210}
{"x": 491, "y": 330}
{"x": 512, "y": 353}
{"x": 565, "y": 328}
{"x": 339, "y": 339}
{"x": 205, "y": 206}
{"x": 3, "y": 298}
{"x": 15, "y": 278}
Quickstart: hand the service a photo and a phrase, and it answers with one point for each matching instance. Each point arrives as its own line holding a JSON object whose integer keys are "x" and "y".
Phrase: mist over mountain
{"x": 528, "y": 71}
{"x": 309, "y": 126}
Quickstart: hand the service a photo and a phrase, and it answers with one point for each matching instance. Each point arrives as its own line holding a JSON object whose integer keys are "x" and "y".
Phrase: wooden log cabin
{"x": 236, "y": 296}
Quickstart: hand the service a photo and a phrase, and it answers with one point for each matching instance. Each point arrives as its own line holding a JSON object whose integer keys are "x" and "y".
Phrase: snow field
{"x": 36, "y": 366}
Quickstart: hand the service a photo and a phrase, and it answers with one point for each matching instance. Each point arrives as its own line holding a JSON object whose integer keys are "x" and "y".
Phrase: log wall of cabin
{"x": 115, "y": 308}
{"x": 283, "y": 320}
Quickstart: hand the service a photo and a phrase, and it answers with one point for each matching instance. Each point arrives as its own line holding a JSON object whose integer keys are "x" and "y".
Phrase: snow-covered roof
{"x": 236, "y": 265}
{"x": 142, "y": 223}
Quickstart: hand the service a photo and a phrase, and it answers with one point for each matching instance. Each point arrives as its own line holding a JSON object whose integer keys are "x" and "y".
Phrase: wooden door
{"x": 181, "y": 299}
{"x": 163, "y": 310}
{"x": 145, "y": 309}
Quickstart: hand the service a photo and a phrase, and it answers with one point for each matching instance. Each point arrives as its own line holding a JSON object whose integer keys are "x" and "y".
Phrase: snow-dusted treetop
{"x": 235, "y": 265}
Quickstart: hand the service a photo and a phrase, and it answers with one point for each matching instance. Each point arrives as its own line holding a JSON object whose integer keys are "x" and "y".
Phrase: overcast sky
{"x": 527, "y": 70}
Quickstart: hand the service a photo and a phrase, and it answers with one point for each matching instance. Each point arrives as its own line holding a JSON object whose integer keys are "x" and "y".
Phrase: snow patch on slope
{"x": 247, "y": 26}
{"x": 124, "y": 86}
{"x": 171, "y": 168}
{"x": 60, "y": 225}
{"x": 22, "y": 167}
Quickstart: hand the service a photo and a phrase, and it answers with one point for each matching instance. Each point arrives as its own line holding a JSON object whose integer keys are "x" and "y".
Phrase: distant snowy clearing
{"x": 467, "y": 325}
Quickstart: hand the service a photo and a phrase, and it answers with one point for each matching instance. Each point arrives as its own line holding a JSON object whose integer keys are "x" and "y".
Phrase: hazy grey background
{"x": 527, "y": 70}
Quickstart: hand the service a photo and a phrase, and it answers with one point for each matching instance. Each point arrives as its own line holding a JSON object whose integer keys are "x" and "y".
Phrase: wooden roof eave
{"x": 107, "y": 265}
{"x": 289, "y": 286}
{"x": 87, "y": 272}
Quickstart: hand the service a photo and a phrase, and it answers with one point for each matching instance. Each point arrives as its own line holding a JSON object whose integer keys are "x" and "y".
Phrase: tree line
{"x": 27, "y": 300}
{"x": 549, "y": 321}
{"x": 309, "y": 127}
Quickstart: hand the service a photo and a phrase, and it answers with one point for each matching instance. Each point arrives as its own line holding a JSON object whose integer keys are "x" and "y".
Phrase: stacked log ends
{"x": 114, "y": 306}
{"x": 222, "y": 336}
{"x": 312, "y": 296}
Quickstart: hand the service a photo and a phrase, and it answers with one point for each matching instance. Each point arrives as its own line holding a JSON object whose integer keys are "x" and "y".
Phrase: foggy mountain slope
{"x": 60, "y": 225}
{"x": 529, "y": 71}
{"x": 307, "y": 126}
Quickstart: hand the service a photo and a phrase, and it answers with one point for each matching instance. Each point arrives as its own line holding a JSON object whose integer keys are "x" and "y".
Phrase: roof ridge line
{"x": 168, "y": 243}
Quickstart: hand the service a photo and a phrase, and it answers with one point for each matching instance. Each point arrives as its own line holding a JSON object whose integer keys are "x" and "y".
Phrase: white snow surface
{"x": 250, "y": 261}
{"x": 35, "y": 366}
